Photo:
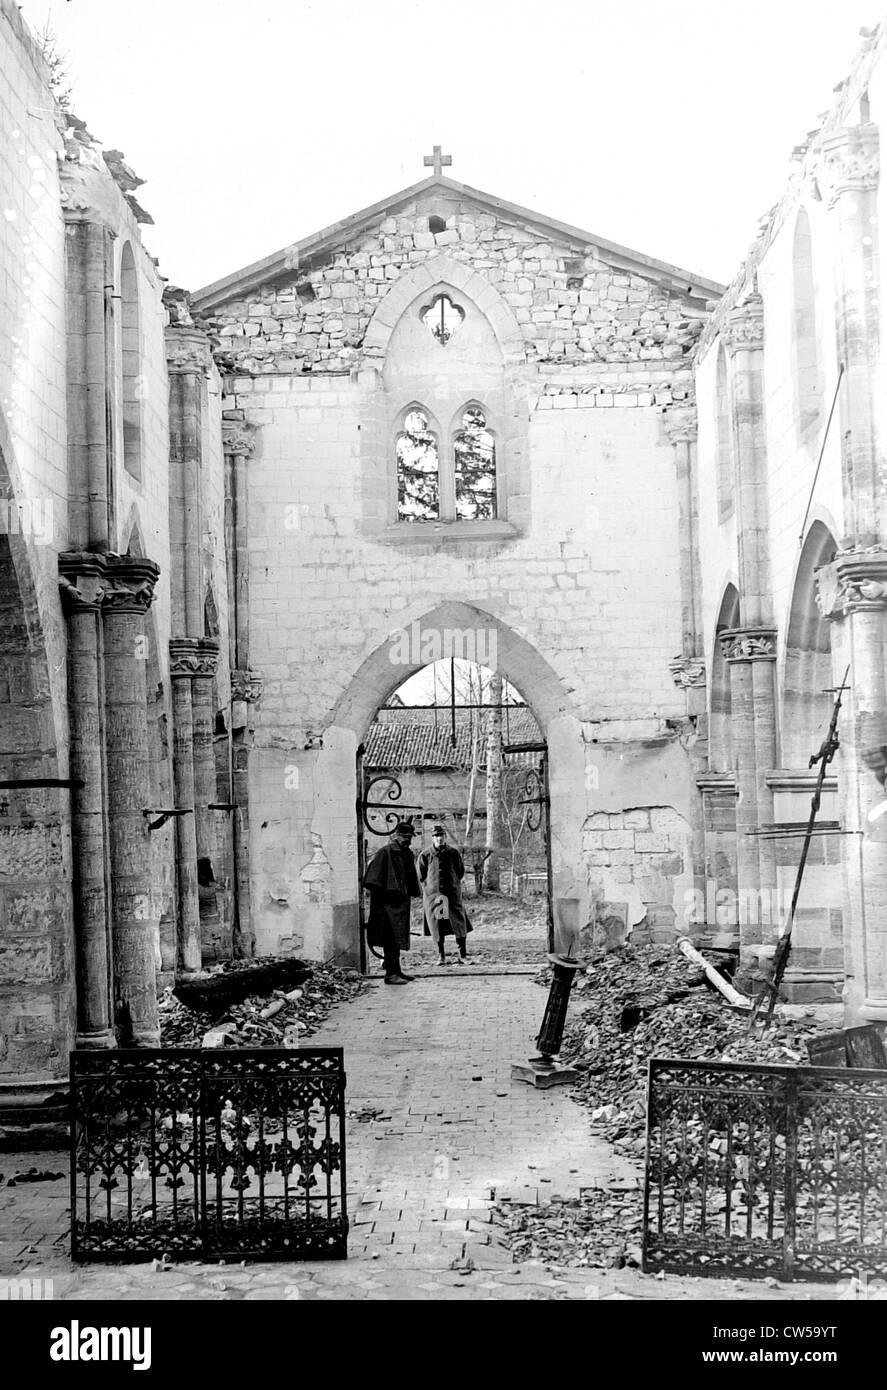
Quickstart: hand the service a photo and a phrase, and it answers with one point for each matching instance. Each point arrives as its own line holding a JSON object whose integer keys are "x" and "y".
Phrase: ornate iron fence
{"x": 203, "y": 1154}
{"x": 757, "y": 1170}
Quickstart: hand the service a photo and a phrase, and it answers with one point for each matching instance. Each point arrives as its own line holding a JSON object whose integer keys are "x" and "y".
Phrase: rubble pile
{"x": 279, "y": 1018}
{"x": 647, "y": 1002}
{"x": 601, "y": 1229}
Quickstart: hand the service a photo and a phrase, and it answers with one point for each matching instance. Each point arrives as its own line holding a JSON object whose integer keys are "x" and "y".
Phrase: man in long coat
{"x": 441, "y": 870}
{"x": 391, "y": 880}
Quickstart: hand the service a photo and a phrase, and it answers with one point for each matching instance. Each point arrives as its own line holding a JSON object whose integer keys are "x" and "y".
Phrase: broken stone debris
{"x": 271, "y": 1019}
{"x": 601, "y": 1229}
{"x": 629, "y": 1006}
{"x": 645, "y": 1002}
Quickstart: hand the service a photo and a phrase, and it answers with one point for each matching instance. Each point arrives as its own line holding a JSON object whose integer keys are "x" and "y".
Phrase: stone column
{"x": 89, "y": 281}
{"x": 183, "y": 658}
{"x": 743, "y": 336}
{"x": 128, "y": 594}
{"x": 853, "y": 594}
{"x": 205, "y": 770}
{"x": 81, "y": 579}
{"x": 188, "y": 361}
{"x": 246, "y": 690}
{"x": 751, "y": 649}
{"x": 848, "y": 176}
{"x": 750, "y": 654}
{"x": 238, "y": 441}
{"x": 680, "y": 426}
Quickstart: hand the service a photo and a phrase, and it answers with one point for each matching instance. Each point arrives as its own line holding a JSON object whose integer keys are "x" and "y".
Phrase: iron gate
{"x": 535, "y": 798}
{"x": 379, "y": 808}
{"x": 201, "y": 1154}
{"x": 756, "y": 1170}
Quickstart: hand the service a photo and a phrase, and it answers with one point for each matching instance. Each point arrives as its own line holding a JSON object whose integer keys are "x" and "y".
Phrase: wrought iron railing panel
{"x": 238, "y": 1153}
{"x": 756, "y": 1170}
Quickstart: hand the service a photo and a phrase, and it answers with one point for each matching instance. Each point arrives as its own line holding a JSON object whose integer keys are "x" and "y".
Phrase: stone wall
{"x": 36, "y": 941}
{"x": 572, "y": 306}
{"x": 576, "y": 361}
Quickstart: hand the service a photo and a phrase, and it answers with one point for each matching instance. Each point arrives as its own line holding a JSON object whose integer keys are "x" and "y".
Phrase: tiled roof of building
{"x": 412, "y": 738}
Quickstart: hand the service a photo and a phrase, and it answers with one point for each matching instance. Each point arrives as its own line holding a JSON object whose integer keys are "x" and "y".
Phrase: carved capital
{"x": 183, "y": 657}
{"x": 688, "y": 672}
{"x": 193, "y": 657}
{"x": 849, "y": 162}
{"x": 81, "y": 580}
{"x": 749, "y": 644}
{"x": 208, "y": 650}
{"x": 129, "y": 585}
{"x": 852, "y": 583}
{"x": 187, "y": 350}
{"x": 238, "y": 437}
{"x": 246, "y": 686}
{"x": 743, "y": 329}
{"x": 680, "y": 424}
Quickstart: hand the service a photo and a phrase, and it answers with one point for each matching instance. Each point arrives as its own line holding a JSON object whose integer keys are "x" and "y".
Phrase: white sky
{"x": 665, "y": 125}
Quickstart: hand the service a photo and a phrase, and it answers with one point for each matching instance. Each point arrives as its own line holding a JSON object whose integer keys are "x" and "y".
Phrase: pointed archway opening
{"x": 456, "y": 747}
{"x": 37, "y": 981}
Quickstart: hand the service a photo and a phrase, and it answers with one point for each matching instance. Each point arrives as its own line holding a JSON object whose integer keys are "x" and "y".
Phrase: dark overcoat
{"x": 441, "y": 872}
{"x": 391, "y": 880}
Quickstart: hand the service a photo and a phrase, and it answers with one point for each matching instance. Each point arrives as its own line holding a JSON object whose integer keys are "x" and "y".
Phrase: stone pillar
{"x": 743, "y": 336}
{"x": 188, "y": 361}
{"x": 183, "y": 658}
{"x": 81, "y": 583}
{"x": 205, "y": 782}
{"x": 246, "y": 690}
{"x": 853, "y": 594}
{"x": 128, "y": 594}
{"x": 750, "y": 650}
{"x": 848, "y": 176}
{"x": 90, "y": 444}
{"x": 680, "y": 426}
{"x": 751, "y": 654}
{"x": 238, "y": 440}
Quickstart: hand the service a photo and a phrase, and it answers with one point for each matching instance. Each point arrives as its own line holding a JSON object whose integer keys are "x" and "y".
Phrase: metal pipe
{"x": 686, "y": 947}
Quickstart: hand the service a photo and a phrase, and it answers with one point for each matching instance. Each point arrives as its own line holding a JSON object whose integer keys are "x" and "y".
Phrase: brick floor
{"x": 454, "y": 1132}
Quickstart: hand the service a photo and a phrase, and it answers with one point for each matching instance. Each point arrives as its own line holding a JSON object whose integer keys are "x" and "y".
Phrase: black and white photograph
{"x": 443, "y": 671}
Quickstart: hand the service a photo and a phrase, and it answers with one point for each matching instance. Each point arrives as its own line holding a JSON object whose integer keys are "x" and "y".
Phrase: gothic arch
{"x": 720, "y": 728}
{"x": 129, "y": 339}
{"x": 806, "y": 370}
{"x": 442, "y": 272}
{"x": 807, "y": 668}
{"x": 517, "y": 660}
{"x": 37, "y": 997}
{"x": 210, "y": 614}
{"x": 133, "y": 544}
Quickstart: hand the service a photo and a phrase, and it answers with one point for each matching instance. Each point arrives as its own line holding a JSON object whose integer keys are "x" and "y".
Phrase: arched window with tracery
{"x": 805, "y": 348}
{"x": 726, "y": 501}
{"x": 129, "y": 344}
{"x": 418, "y": 469}
{"x": 474, "y": 453}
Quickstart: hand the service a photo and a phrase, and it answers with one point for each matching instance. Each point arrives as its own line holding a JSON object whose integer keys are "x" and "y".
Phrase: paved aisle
{"x": 433, "y": 1059}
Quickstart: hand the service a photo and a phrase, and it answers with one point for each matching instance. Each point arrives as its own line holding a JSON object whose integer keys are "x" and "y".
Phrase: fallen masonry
{"x": 627, "y": 1007}
{"x": 678, "y": 1015}
{"x": 276, "y": 1018}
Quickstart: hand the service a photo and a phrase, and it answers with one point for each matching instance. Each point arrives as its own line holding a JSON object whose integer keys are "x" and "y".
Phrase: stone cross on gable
{"x": 437, "y": 161}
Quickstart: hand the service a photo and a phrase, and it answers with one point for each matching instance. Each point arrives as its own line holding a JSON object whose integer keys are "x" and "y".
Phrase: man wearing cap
{"x": 441, "y": 870}
{"x": 391, "y": 880}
